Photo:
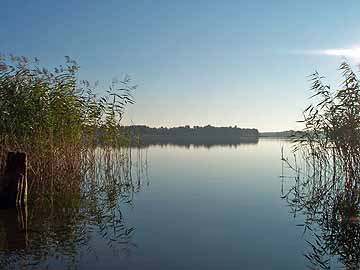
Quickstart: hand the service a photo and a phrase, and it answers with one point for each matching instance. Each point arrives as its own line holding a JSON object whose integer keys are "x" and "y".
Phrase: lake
{"x": 195, "y": 207}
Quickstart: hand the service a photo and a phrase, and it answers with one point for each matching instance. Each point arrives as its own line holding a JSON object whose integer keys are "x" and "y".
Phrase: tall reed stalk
{"x": 57, "y": 120}
{"x": 327, "y": 183}
{"x": 79, "y": 164}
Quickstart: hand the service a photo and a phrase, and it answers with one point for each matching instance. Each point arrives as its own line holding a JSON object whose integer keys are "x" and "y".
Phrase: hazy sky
{"x": 197, "y": 62}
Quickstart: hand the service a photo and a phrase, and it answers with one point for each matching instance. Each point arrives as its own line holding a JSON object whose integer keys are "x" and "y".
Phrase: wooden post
{"x": 13, "y": 184}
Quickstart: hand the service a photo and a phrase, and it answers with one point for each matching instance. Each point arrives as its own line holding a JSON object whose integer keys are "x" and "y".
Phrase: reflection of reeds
{"x": 61, "y": 223}
{"x": 327, "y": 182}
{"x": 331, "y": 215}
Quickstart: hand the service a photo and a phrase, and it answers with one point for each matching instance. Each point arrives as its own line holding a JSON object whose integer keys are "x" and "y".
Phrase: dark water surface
{"x": 214, "y": 207}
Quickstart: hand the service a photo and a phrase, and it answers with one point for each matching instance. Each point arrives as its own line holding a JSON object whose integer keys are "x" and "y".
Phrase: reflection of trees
{"x": 62, "y": 225}
{"x": 200, "y": 142}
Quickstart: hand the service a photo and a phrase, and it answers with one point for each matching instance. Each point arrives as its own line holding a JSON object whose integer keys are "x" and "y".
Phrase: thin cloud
{"x": 349, "y": 53}
{"x": 353, "y": 53}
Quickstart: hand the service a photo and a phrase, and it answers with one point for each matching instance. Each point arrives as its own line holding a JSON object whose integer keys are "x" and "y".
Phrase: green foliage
{"x": 38, "y": 103}
{"x": 76, "y": 177}
{"x": 58, "y": 120}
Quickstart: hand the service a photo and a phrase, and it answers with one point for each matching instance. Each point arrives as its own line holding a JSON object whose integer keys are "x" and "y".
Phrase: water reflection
{"x": 63, "y": 227}
{"x": 13, "y": 224}
{"x": 330, "y": 207}
{"x": 202, "y": 142}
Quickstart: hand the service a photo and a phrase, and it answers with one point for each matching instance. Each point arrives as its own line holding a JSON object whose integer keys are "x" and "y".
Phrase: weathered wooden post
{"x": 13, "y": 184}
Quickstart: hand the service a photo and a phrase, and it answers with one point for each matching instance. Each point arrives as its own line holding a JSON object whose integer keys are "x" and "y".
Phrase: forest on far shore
{"x": 186, "y": 135}
{"x": 206, "y": 131}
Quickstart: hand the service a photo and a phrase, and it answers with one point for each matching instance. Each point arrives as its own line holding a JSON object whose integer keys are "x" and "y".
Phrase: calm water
{"x": 191, "y": 208}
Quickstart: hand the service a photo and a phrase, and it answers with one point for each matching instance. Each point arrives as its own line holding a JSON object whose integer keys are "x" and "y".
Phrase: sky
{"x": 222, "y": 63}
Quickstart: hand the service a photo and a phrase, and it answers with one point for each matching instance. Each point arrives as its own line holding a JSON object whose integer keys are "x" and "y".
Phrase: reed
{"x": 326, "y": 190}
{"x": 81, "y": 169}
{"x": 332, "y": 126}
{"x": 58, "y": 120}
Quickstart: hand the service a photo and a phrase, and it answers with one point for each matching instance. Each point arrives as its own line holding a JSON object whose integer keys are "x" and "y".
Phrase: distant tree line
{"x": 185, "y": 135}
{"x": 206, "y": 131}
{"x": 280, "y": 134}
